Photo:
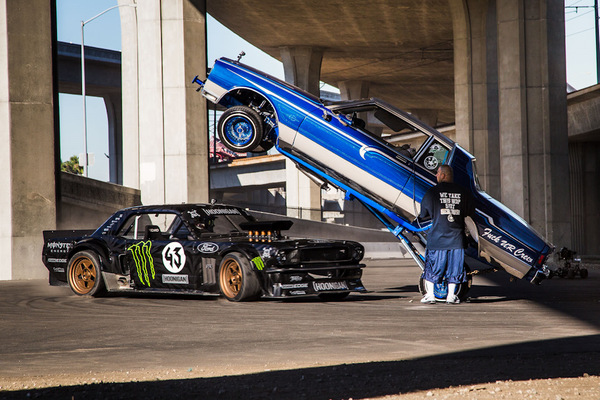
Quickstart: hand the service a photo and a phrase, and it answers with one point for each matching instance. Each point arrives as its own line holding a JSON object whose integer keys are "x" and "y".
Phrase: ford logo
{"x": 208, "y": 247}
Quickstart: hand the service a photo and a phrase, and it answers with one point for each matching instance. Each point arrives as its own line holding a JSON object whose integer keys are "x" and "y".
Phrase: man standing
{"x": 447, "y": 204}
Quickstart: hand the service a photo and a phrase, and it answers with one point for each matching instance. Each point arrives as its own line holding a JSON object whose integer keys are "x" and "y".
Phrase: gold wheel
{"x": 84, "y": 274}
{"x": 231, "y": 278}
{"x": 237, "y": 280}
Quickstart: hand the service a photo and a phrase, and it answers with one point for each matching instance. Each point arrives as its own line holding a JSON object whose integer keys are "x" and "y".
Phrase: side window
{"x": 178, "y": 230}
{"x": 394, "y": 131}
{"x": 434, "y": 156}
{"x": 135, "y": 227}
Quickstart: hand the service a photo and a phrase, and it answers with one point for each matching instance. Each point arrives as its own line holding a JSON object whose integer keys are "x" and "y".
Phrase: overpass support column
{"x": 27, "y": 163}
{"x": 114, "y": 108}
{"x": 302, "y": 67}
{"x": 533, "y": 116}
{"x": 165, "y": 126}
{"x": 475, "y": 87}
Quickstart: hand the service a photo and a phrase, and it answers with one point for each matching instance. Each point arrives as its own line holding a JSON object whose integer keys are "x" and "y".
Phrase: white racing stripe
{"x": 353, "y": 173}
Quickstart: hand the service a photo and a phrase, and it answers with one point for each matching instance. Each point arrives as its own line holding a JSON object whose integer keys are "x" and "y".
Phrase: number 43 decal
{"x": 173, "y": 257}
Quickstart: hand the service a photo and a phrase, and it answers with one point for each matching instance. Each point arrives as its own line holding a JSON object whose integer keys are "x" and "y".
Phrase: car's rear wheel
{"x": 240, "y": 129}
{"x": 237, "y": 281}
{"x": 83, "y": 274}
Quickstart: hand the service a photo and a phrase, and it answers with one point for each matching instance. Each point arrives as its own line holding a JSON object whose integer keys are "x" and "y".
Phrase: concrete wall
{"x": 86, "y": 203}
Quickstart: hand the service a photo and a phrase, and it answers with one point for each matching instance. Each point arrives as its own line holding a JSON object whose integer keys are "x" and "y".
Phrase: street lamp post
{"x": 85, "y": 145}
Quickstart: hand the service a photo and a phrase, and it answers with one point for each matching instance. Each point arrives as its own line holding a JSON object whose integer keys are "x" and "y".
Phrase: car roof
{"x": 180, "y": 207}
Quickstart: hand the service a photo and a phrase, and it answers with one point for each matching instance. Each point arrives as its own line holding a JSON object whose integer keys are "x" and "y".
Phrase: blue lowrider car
{"x": 379, "y": 155}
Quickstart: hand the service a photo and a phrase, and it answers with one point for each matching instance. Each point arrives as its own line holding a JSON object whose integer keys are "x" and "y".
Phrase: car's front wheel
{"x": 237, "y": 281}
{"x": 241, "y": 129}
{"x": 83, "y": 274}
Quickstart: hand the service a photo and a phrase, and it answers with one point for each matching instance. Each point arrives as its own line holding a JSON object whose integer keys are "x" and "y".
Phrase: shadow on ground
{"x": 531, "y": 360}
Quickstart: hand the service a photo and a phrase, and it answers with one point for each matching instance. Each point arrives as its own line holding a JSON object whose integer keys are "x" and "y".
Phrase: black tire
{"x": 240, "y": 129}
{"x": 84, "y": 274}
{"x": 583, "y": 272}
{"x": 441, "y": 289}
{"x": 237, "y": 280}
{"x": 264, "y": 146}
{"x": 333, "y": 296}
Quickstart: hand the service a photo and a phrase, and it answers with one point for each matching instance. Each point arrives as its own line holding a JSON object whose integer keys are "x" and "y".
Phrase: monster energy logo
{"x": 259, "y": 263}
{"x": 143, "y": 260}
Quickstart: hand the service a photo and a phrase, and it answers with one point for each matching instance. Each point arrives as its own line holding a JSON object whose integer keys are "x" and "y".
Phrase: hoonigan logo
{"x": 143, "y": 261}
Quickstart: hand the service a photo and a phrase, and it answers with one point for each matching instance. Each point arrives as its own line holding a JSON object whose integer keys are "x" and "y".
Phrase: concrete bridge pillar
{"x": 533, "y": 115}
{"x": 113, "y": 103}
{"x": 350, "y": 90}
{"x": 165, "y": 126}
{"x": 302, "y": 67}
{"x": 510, "y": 100}
{"x": 27, "y": 115}
{"x": 354, "y": 90}
{"x": 475, "y": 86}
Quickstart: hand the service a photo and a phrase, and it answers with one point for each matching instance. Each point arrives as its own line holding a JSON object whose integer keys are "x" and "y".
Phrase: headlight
{"x": 281, "y": 257}
{"x": 294, "y": 256}
{"x": 288, "y": 256}
{"x": 358, "y": 253}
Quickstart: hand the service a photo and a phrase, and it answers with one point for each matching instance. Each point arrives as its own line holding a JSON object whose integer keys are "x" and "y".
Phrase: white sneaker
{"x": 452, "y": 299}
{"x": 429, "y": 297}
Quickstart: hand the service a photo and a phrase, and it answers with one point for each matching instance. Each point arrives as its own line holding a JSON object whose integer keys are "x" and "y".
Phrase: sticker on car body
{"x": 173, "y": 257}
{"x": 176, "y": 279}
{"x": 208, "y": 248}
{"x": 325, "y": 286}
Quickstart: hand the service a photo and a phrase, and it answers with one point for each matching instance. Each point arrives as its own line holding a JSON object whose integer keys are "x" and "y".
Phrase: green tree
{"x": 72, "y": 166}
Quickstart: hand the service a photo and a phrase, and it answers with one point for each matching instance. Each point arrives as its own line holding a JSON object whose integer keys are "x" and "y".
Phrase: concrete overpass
{"x": 103, "y": 79}
{"x": 503, "y": 85}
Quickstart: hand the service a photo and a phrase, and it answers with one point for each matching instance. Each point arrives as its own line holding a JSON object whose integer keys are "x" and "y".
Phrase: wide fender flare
{"x": 250, "y": 253}
{"x": 97, "y": 247}
{"x": 247, "y": 251}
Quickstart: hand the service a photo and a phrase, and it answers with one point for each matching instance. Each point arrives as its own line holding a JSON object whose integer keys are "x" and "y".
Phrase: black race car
{"x": 200, "y": 249}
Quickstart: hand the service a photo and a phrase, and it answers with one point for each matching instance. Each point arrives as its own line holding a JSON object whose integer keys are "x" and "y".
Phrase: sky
{"x": 105, "y": 32}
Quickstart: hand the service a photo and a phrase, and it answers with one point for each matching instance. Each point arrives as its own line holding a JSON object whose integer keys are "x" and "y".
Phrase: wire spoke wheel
{"x": 241, "y": 129}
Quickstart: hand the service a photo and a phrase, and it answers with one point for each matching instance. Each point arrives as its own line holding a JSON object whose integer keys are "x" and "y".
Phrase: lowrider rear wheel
{"x": 237, "y": 281}
{"x": 83, "y": 274}
{"x": 241, "y": 129}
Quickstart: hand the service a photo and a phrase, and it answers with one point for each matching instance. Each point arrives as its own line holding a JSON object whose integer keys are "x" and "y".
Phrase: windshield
{"x": 218, "y": 221}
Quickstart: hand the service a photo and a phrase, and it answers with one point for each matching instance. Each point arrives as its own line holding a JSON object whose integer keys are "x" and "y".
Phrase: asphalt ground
{"x": 58, "y": 345}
